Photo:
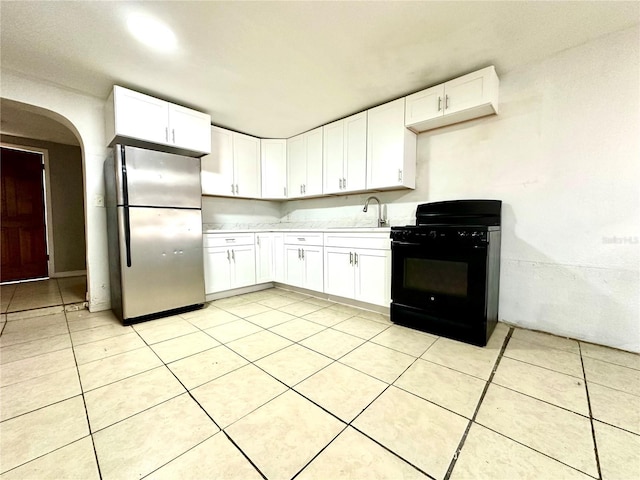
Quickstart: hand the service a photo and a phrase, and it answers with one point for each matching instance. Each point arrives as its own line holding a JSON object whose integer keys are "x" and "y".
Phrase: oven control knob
{"x": 433, "y": 234}
{"x": 463, "y": 234}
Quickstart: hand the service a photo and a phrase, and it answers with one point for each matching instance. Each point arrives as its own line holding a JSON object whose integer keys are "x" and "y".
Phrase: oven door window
{"x": 443, "y": 280}
{"x": 444, "y": 277}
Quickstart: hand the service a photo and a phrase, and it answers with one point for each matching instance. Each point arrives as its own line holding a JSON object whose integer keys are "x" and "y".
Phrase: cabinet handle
{"x": 355, "y": 259}
{"x": 233, "y": 255}
{"x": 299, "y": 254}
{"x": 439, "y": 103}
{"x": 302, "y": 253}
{"x": 446, "y": 102}
{"x": 302, "y": 239}
{"x": 258, "y": 240}
{"x": 300, "y": 189}
{"x": 344, "y": 183}
{"x": 228, "y": 257}
{"x": 232, "y": 192}
{"x": 399, "y": 175}
{"x": 229, "y": 240}
{"x": 304, "y": 188}
{"x": 285, "y": 191}
{"x": 350, "y": 258}
{"x": 166, "y": 134}
{"x": 340, "y": 183}
{"x": 237, "y": 189}
{"x": 173, "y": 135}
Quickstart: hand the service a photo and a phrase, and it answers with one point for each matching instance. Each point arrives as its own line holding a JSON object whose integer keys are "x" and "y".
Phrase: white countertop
{"x": 326, "y": 229}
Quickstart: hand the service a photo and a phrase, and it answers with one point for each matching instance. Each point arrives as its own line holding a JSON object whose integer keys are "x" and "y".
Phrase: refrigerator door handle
{"x": 124, "y": 226}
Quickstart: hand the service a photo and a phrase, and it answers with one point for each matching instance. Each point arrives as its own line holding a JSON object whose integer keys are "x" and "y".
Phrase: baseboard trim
{"x": 77, "y": 273}
{"x": 238, "y": 291}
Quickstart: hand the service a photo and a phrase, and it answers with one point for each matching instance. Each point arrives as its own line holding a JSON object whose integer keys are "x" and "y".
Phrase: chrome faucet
{"x": 381, "y": 221}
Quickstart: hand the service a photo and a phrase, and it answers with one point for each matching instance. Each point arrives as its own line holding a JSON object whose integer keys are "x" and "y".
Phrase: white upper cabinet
{"x": 233, "y": 166}
{"x": 345, "y": 154}
{"x": 304, "y": 164}
{"x": 391, "y": 148}
{"x": 246, "y": 165}
{"x": 141, "y": 120}
{"x": 464, "y": 98}
{"x": 274, "y": 168}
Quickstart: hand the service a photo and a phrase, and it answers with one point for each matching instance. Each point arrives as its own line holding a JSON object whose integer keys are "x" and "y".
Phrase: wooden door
{"x": 24, "y": 246}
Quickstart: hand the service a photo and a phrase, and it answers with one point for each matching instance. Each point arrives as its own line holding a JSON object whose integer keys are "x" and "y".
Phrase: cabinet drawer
{"x": 228, "y": 240}
{"x": 377, "y": 241}
{"x": 303, "y": 238}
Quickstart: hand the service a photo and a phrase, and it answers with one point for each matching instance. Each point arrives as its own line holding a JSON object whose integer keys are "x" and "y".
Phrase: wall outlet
{"x": 99, "y": 201}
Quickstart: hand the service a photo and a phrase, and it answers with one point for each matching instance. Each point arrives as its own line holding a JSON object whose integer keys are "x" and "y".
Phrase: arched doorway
{"x": 26, "y": 132}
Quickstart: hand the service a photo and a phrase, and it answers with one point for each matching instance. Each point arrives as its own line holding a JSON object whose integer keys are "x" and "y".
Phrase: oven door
{"x": 441, "y": 279}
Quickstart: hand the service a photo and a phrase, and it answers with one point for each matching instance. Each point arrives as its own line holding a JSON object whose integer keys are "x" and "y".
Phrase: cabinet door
{"x": 217, "y": 270}
{"x": 293, "y": 266}
{"x": 469, "y": 91}
{"x": 296, "y": 165}
{"x": 246, "y": 161}
{"x": 278, "y": 257}
{"x": 333, "y": 156}
{"x": 273, "y": 154}
{"x": 386, "y": 142}
{"x": 425, "y": 105}
{"x": 243, "y": 259}
{"x": 140, "y": 116}
{"x": 314, "y": 272}
{"x": 339, "y": 272}
{"x": 355, "y": 152}
{"x": 217, "y": 167}
{"x": 373, "y": 274}
{"x": 313, "y": 183}
{"x": 189, "y": 129}
{"x": 264, "y": 257}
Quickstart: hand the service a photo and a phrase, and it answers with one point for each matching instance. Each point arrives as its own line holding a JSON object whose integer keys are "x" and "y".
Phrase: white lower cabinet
{"x": 264, "y": 257}
{"x": 352, "y": 271}
{"x": 229, "y": 262}
{"x": 303, "y": 260}
{"x": 278, "y": 257}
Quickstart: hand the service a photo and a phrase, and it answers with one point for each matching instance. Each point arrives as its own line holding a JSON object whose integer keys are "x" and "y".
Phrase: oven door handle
{"x": 405, "y": 244}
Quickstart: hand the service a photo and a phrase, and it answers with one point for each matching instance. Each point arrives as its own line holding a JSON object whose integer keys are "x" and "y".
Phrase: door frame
{"x": 48, "y": 212}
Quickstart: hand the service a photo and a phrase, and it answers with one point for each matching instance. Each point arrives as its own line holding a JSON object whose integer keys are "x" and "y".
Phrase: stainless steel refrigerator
{"x": 154, "y": 225}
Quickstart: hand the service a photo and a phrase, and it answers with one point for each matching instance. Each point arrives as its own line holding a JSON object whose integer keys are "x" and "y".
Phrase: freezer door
{"x": 166, "y": 269}
{"x": 159, "y": 179}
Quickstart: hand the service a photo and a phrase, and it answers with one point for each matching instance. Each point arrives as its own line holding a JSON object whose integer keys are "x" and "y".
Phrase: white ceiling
{"x": 275, "y": 69}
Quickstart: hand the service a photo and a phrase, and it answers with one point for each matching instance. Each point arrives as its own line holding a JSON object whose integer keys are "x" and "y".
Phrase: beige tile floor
{"x": 276, "y": 384}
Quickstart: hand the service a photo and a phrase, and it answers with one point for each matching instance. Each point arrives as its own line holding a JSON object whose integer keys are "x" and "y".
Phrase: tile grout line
{"x": 201, "y": 408}
{"x": 593, "y": 430}
{"x": 456, "y": 455}
{"x": 84, "y": 401}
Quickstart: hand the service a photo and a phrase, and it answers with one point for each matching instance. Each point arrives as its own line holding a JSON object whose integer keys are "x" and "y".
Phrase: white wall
{"x": 564, "y": 157}
{"x": 84, "y": 115}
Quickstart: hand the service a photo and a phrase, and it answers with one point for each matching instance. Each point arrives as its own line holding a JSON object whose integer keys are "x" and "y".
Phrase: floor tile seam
{"x": 583, "y": 415}
{"x": 542, "y": 345}
{"x": 610, "y": 387}
{"x": 529, "y": 447}
{"x": 593, "y": 430}
{"x": 361, "y": 371}
{"x": 395, "y": 349}
{"x": 41, "y": 408}
{"x": 343, "y": 355}
{"x": 617, "y": 427}
{"x": 123, "y": 419}
{"x": 217, "y": 325}
{"x": 611, "y": 363}
{"x": 93, "y": 341}
{"x": 242, "y": 452}
{"x": 287, "y": 389}
{"x": 382, "y": 380}
{"x": 45, "y": 336}
{"x": 156, "y": 342}
{"x": 432, "y": 402}
{"x": 295, "y": 341}
{"x": 328, "y": 326}
{"x": 34, "y": 308}
{"x": 395, "y": 454}
{"x": 119, "y": 379}
{"x": 37, "y": 376}
{"x": 465, "y": 434}
{"x": 318, "y": 453}
{"x": 139, "y": 347}
{"x": 92, "y": 326}
{"x": 84, "y": 404}
{"x": 2, "y": 473}
{"x": 506, "y": 355}
{"x": 453, "y": 369}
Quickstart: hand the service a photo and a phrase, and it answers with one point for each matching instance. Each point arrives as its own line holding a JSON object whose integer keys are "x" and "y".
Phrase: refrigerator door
{"x": 150, "y": 178}
{"x": 166, "y": 269}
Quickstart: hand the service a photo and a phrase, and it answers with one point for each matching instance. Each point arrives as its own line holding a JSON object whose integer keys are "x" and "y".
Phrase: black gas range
{"x": 446, "y": 270}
